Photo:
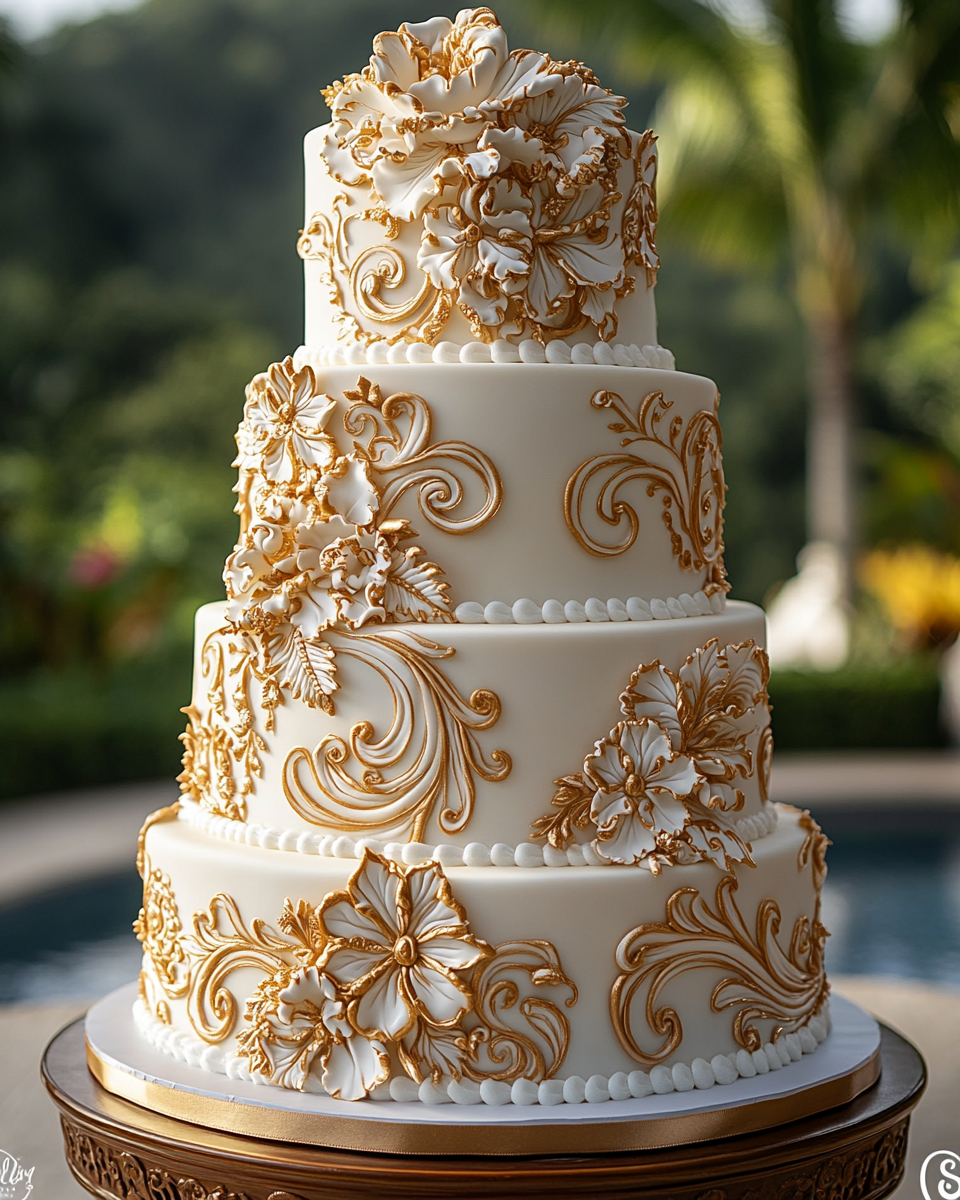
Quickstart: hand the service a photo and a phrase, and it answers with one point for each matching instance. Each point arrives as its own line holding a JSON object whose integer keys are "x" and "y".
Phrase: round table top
{"x": 116, "y": 1148}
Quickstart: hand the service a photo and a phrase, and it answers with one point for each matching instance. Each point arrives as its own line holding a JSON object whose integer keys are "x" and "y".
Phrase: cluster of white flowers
{"x": 383, "y": 967}
{"x": 661, "y": 787}
{"x": 509, "y": 159}
{"x": 314, "y": 549}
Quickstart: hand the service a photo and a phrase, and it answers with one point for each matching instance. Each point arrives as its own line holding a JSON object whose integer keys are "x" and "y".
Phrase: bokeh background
{"x": 150, "y": 201}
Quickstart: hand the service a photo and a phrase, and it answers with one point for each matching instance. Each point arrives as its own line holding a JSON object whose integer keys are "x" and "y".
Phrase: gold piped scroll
{"x": 762, "y": 981}
{"x": 679, "y": 460}
{"x": 375, "y": 270}
{"x": 500, "y": 1048}
{"x": 428, "y": 757}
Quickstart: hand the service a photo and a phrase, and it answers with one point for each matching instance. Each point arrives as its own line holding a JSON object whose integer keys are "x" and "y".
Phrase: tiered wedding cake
{"x": 475, "y": 792}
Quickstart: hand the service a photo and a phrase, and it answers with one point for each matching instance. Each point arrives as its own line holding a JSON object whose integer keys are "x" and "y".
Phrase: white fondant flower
{"x": 348, "y": 489}
{"x": 479, "y": 247}
{"x": 341, "y": 579}
{"x": 639, "y": 783}
{"x": 285, "y": 416}
{"x": 397, "y": 938}
{"x": 574, "y": 247}
{"x": 572, "y": 122}
{"x": 299, "y": 1028}
{"x": 414, "y": 117}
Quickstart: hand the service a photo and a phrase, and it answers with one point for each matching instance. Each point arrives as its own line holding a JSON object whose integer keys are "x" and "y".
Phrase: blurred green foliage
{"x": 859, "y": 707}
{"x": 150, "y": 198}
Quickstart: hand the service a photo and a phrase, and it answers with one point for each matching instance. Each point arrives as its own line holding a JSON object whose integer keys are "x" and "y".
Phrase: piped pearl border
{"x": 722, "y": 1070}
{"x": 556, "y": 612}
{"x": 600, "y": 354}
{"x": 475, "y": 854}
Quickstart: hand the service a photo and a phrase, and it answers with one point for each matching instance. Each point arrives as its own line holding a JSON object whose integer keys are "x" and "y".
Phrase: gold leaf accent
{"x": 498, "y": 1050}
{"x": 431, "y": 742}
{"x": 683, "y": 463}
{"x": 573, "y": 798}
{"x": 394, "y": 435}
{"x": 765, "y": 982}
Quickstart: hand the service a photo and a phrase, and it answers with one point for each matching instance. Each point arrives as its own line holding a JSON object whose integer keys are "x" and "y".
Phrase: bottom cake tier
{"x": 481, "y": 984}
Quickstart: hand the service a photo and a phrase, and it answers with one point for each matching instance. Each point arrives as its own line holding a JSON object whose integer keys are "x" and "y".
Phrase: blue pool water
{"x": 892, "y": 903}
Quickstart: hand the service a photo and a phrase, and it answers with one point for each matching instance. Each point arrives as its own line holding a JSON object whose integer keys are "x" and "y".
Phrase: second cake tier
{"x": 621, "y": 741}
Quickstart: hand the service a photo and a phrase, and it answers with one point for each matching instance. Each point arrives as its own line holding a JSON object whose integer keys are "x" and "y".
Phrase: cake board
{"x": 844, "y": 1066}
{"x": 117, "y": 1148}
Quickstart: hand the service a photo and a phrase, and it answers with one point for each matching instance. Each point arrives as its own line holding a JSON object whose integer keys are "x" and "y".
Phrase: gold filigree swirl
{"x": 430, "y": 747}
{"x": 762, "y": 981}
{"x": 679, "y": 460}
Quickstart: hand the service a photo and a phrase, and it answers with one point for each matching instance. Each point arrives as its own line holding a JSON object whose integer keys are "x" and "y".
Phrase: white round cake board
{"x": 125, "y": 1064}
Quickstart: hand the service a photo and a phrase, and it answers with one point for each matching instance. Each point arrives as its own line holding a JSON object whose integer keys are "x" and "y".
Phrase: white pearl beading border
{"x": 722, "y": 1070}
{"x": 599, "y": 354}
{"x": 475, "y": 854}
{"x": 556, "y": 612}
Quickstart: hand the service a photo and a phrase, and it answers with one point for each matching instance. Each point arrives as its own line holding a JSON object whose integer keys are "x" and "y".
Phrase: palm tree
{"x": 779, "y": 130}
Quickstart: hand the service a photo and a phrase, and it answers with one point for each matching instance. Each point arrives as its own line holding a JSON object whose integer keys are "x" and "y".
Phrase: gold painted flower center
{"x": 471, "y": 235}
{"x": 633, "y": 786}
{"x": 405, "y": 951}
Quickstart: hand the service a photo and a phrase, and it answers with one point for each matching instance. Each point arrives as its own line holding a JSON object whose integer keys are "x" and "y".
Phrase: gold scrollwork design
{"x": 683, "y": 462}
{"x": 764, "y": 981}
{"x": 813, "y": 852}
{"x": 431, "y": 741}
{"x": 375, "y": 269}
{"x": 395, "y": 434}
{"x": 221, "y": 944}
{"x": 498, "y": 1050}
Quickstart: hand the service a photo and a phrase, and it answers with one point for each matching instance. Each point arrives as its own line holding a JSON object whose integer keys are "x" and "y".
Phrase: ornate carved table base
{"x": 118, "y": 1150}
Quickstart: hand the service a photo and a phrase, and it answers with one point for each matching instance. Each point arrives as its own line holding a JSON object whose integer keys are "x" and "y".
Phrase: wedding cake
{"x": 475, "y": 797}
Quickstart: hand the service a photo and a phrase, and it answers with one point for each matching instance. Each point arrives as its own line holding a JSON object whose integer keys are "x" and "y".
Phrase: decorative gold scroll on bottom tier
{"x": 344, "y": 976}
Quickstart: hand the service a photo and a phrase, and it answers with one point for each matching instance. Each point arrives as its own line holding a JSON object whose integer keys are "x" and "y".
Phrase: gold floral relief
{"x": 387, "y": 966}
{"x": 681, "y": 461}
{"x": 665, "y": 786}
{"x": 509, "y": 219}
{"x": 222, "y": 753}
{"x": 322, "y": 549}
{"x": 762, "y": 981}
{"x": 428, "y": 759}
{"x": 640, "y": 212}
{"x": 159, "y": 928}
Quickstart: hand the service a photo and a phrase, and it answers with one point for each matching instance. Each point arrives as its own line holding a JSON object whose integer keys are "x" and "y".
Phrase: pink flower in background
{"x": 93, "y": 567}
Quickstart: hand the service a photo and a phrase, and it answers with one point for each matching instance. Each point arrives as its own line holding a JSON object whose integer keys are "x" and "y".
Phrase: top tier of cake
{"x": 477, "y": 204}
